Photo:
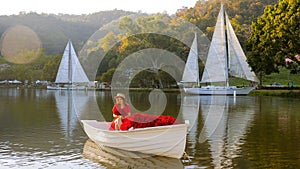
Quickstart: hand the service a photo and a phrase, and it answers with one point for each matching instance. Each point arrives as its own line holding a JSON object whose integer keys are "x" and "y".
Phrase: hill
{"x": 55, "y": 30}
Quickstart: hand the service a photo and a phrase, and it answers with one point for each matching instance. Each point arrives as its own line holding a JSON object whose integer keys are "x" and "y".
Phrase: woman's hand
{"x": 128, "y": 114}
{"x": 116, "y": 116}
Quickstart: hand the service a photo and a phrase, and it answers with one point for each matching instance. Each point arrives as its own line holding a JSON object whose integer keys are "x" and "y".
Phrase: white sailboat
{"x": 70, "y": 74}
{"x": 225, "y": 58}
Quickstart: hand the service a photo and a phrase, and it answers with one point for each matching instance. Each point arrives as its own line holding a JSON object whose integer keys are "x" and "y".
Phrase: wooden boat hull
{"x": 219, "y": 90}
{"x": 166, "y": 141}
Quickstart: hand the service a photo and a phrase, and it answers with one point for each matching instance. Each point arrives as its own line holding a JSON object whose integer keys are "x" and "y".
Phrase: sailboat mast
{"x": 196, "y": 48}
{"x": 70, "y": 64}
{"x": 226, "y": 47}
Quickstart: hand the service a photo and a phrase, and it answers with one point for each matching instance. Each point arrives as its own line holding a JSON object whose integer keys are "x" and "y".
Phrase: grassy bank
{"x": 284, "y": 77}
{"x": 278, "y": 92}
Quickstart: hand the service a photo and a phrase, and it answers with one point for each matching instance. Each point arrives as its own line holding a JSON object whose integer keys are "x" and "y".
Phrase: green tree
{"x": 108, "y": 41}
{"x": 127, "y": 24}
{"x": 51, "y": 67}
{"x": 107, "y": 76}
{"x": 275, "y": 36}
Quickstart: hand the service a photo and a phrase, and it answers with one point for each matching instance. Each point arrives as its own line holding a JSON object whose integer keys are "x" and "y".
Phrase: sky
{"x": 9, "y": 7}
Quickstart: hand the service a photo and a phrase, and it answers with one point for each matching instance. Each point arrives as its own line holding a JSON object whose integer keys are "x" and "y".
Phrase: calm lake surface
{"x": 41, "y": 129}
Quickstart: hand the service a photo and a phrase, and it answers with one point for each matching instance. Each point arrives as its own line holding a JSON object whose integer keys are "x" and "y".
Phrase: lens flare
{"x": 20, "y": 44}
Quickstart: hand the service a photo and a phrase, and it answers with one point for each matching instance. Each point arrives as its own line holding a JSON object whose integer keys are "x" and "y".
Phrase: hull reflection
{"x": 116, "y": 158}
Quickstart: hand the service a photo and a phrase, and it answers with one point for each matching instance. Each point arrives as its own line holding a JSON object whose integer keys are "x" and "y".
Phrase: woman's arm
{"x": 115, "y": 110}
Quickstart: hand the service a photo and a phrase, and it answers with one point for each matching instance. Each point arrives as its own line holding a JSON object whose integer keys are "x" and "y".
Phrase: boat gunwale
{"x": 134, "y": 130}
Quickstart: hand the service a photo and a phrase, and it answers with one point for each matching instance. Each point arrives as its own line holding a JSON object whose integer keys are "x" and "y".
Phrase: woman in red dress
{"x": 120, "y": 110}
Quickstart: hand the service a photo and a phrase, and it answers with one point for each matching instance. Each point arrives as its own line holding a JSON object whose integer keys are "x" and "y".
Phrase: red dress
{"x": 121, "y": 111}
{"x": 118, "y": 111}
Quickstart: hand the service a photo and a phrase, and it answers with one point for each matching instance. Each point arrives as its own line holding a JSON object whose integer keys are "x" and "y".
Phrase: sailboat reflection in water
{"x": 223, "y": 129}
{"x": 73, "y": 106}
{"x": 65, "y": 108}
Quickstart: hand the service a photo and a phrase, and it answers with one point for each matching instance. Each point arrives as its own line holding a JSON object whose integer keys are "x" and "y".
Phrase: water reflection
{"x": 190, "y": 112}
{"x": 68, "y": 118}
{"x": 115, "y": 158}
{"x": 254, "y": 132}
{"x": 74, "y": 106}
{"x": 34, "y": 131}
{"x": 219, "y": 126}
{"x": 86, "y": 106}
{"x": 154, "y": 102}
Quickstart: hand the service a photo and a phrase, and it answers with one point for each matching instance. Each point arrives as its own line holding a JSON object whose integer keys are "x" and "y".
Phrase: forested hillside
{"x": 203, "y": 15}
{"x": 55, "y": 30}
{"x": 241, "y": 12}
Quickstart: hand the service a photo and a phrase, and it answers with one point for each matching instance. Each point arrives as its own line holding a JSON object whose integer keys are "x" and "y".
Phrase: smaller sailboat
{"x": 225, "y": 58}
{"x": 70, "y": 74}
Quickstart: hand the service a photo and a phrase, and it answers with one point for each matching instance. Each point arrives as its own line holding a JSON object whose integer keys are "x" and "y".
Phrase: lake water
{"x": 41, "y": 129}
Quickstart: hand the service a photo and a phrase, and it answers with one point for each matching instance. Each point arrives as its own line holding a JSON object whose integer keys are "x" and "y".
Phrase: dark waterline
{"x": 41, "y": 129}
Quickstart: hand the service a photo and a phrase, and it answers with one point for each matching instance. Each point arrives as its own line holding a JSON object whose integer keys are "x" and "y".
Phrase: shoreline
{"x": 277, "y": 92}
{"x": 282, "y": 92}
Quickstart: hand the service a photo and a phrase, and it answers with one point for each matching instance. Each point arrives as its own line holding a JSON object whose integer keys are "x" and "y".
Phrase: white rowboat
{"x": 168, "y": 141}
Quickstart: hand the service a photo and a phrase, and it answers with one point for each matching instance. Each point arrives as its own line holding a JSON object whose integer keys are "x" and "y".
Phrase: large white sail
{"x": 63, "y": 70}
{"x": 70, "y": 69}
{"x": 238, "y": 66}
{"x": 78, "y": 73}
{"x": 191, "y": 70}
{"x": 215, "y": 66}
